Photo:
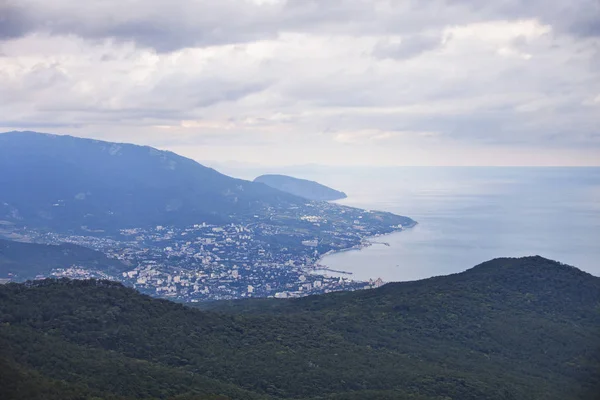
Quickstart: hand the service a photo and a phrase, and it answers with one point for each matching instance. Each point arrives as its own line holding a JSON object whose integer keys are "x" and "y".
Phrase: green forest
{"x": 22, "y": 261}
{"x": 526, "y": 328}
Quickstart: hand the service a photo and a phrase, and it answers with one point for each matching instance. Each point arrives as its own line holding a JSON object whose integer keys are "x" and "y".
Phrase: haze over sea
{"x": 468, "y": 215}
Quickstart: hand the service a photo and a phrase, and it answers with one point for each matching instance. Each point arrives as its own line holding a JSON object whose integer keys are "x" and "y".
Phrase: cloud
{"x": 377, "y": 137}
{"x": 169, "y": 25}
{"x": 580, "y": 17}
{"x": 406, "y": 47}
{"x": 162, "y": 25}
{"x": 13, "y": 21}
{"x": 341, "y": 80}
{"x": 361, "y": 137}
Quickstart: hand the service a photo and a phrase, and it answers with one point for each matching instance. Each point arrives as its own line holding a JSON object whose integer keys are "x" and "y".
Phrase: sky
{"x": 292, "y": 82}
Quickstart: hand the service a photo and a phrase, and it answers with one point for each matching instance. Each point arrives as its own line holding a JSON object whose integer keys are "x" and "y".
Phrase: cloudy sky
{"x": 345, "y": 82}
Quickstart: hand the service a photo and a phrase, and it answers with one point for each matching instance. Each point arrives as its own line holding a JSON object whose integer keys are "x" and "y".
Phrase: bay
{"x": 468, "y": 215}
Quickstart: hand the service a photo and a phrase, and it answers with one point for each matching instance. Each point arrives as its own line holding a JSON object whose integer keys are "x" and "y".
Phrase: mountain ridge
{"x": 498, "y": 269}
{"x": 490, "y": 332}
{"x": 102, "y": 183}
{"x": 301, "y": 187}
{"x": 75, "y": 185}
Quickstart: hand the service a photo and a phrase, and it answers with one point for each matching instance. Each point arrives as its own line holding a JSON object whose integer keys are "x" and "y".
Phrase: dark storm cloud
{"x": 162, "y": 25}
{"x": 580, "y": 18}
{"x": 587, "y": 26}
{"x": 14, "y": 21}
{"x": 171, "y": 25}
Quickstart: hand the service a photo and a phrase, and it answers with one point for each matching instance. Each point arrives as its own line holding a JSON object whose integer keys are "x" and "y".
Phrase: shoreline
{"x": 365, "y": 242}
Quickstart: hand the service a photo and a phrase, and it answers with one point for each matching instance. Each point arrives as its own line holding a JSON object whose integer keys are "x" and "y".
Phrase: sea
{"x": 469, "y": 215}
{"x": 466, "y": 215}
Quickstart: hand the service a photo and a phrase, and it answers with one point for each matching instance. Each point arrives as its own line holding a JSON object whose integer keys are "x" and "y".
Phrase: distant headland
{"x": 301, "y": 187}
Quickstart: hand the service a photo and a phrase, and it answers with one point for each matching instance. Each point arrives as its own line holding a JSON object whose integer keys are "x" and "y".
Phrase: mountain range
{"x": 523, "y": 328}
{"x": 67, "y": 183}
{"x": 73, "y": 185}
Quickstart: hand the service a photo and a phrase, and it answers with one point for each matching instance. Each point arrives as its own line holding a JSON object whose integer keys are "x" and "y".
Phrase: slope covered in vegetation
{"x": 507, "y": 329}
{"x": 21, "y": 261}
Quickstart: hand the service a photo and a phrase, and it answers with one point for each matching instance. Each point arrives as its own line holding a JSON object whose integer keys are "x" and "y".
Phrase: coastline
{"x": 365, "y": 242}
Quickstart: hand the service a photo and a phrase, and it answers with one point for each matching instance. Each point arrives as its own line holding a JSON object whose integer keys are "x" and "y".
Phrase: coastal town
{"x": 204, "y": 261}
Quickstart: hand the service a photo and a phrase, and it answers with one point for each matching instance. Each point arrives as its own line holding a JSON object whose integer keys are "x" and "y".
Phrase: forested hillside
{"x": 21, "y": 261}
{"x": 507, "y": 329}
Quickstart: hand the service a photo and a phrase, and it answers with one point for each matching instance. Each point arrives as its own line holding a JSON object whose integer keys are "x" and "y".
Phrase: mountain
{"x": 167, "y": 215}
{"x": 71, "y": 184}
{"x": 81, "y": 186}
{"x": 21, "y": 261}
{"x": 301, "y": 187}
{"x": 523, "y": 328}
